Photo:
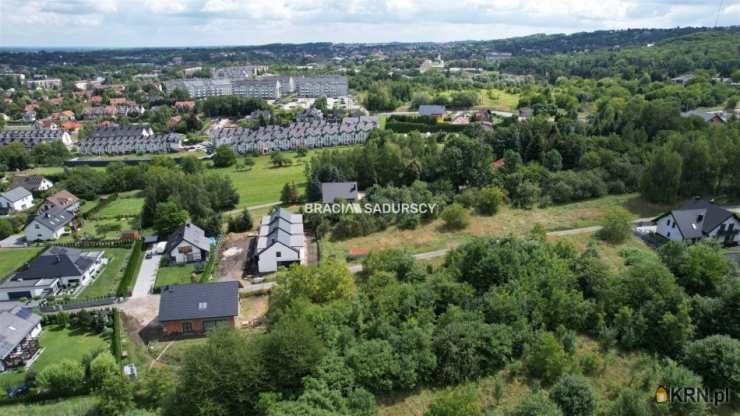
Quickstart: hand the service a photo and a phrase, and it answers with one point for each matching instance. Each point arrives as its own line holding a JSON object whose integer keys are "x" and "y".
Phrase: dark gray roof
{"x": 56, "y": 262}
{"x": 192, "y": 234}
{"x": 704, "y": 115}
{"x": 30, "y": 182}
{"x": 55, "y": 218}
{"x": 342, "y": 190}
{"x": 16, "y": 194}
{"x": 687, "y": 217}
{"x": 15, "y": 325}
{"x": 117, "y": 131}
{"x": 199, "y": 301}
{"x": 431, "y": 110}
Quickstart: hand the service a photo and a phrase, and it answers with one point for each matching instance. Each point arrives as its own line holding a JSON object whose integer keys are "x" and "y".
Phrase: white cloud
{"x": 209, "y": 22}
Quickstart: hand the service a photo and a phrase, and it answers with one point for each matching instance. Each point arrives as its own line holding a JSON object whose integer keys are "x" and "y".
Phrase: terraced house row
{"x": 320, "y": 133}
{"x": 116, "y": 140}
{"x": 30, "y": 138}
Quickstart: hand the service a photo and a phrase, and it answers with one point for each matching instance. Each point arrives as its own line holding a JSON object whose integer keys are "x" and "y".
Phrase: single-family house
{"x": 32, "y": 183}
{"x": 714, "y": 118}
{"x": 48, "y": 225}
{"x": 15, "y": 200}
{"x": 344, "y": 191}
{"x": 73, "y": 267}
{"x": 188, "y": 244}
{"x": 19, "y": 332}
{"x": 62, "y": 199}
{"x": 432, "y": 110}
{"x": 281, "y": 241}
{"x": 196, "y": 308}
{"x": 698, "y": 219}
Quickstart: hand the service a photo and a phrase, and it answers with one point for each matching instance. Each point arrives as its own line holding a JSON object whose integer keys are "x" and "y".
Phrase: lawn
{"x": 106, "y": 228}
{"x": 174, "y": 275}
{"x": 609, "y": 253}
{"x": 72, "y": 406}
{"x": 13, "y": 258}
{"x": 59, "y": 344}
{"x": 498, "y": 100}
{"x": 130, "y": 206}
{"x": 262, "y": 183}
{"x": 107, "y": 282}
{"x": 431, "y": 236}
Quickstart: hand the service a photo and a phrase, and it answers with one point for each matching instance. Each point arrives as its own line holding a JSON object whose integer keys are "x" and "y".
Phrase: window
{"x": 699, "y": 218}
{"x": 187, "y": 327}
{"x": 278, "y": 254}
{"x": 668, "y": 222}
{"x": 674, "y": 225}
{"x": 202, "y": 306}
{"x": 669, "y": 234}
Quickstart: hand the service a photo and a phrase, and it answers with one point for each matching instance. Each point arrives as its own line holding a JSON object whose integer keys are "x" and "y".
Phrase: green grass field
{"x": 106, "y": 228}
{"x": 174, "y": 275}
{"x": 432, "y": 236}
{"x": 73, "y": 406}
{"x": 498, "y": 100}
{"x": 107, "y": 282}
{"x": 122, "y": 206}
{"x": 13, "y": 258}
{"x": 262, "y": 183}
{"x": 59, "y": 344}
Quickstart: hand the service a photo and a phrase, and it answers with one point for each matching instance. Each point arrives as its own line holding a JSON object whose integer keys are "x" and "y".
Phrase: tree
{"x": 672, "y": 374}
{"x": 574, "y": 395}
{"x": 115, "y": 396}
{"x": 489, "y": 201}
{"x": 716, "y": 359}
{"x": 154, "y": 387}
{"x": 289, "y": 194}
{"x": 168, "y": 216}
{"x": 553, "y": 160}
{"x": 224, "y": 157}
{"x": 63, "y": 378}
{"x": 375, "y": 365}
{"x": 535, "y": 405}
{"x": 321, "y": 283}
{"x": 6, "y": 228}
{"x": 661, "y": 178}
{"x": 455, "y": 217}
{"x": 699, "y": 268}
{"x": 241, "y": 222}
{"x": 616, "y": 226}
{"x": 292, "y": 350}
{"x": 228, "y": 361}
{"x": 15, "y": 156}
{"x": 459, "y": 401}
{"x": 279, "y": 160}
{"x": 545, "y": 357}
{"x": 629, "y": 403}
{"x": 104, "y": 365}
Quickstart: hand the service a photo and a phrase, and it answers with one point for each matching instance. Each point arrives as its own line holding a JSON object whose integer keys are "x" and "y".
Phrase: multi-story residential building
{"x": 268, "y": 89}
{"x": 267, "y": 139}
{"x": 44, "y": 83}
{"x": 30, "y": 138}
{"x": 241, "y": 71}
{"x": 321, "y": 86}
{"x": 200, "y": 88}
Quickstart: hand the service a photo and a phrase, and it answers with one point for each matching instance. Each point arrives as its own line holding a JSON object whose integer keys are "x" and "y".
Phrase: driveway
{"x": 147, "y": 276}
{"x": 14, "y": 241}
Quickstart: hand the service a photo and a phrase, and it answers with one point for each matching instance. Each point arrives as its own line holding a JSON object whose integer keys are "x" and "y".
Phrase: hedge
{"x": 116, "y": 342}
{"x": 406, "y": 127}
{"x": 132, "y": 269}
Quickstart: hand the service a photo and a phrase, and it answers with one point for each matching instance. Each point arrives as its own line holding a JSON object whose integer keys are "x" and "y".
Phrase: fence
{"x": 213, "y": 260}
{"x": 92, "y": 303}
{"x": 132, "y": 269}
{"x": 94, "y": 244}
{"x": 100, "y": 205}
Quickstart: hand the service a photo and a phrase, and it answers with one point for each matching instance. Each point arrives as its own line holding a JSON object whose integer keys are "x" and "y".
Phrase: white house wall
{"x": 671, "y": 231}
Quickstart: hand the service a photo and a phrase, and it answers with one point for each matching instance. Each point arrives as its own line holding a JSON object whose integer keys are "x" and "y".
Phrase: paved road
{"x": 253, "y": 207}
{"x": 14, "y": 241}
{"x": 147, "y": 276}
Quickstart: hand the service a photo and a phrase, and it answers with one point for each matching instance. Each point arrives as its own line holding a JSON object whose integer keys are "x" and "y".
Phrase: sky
{"x": 150, "y": 23}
